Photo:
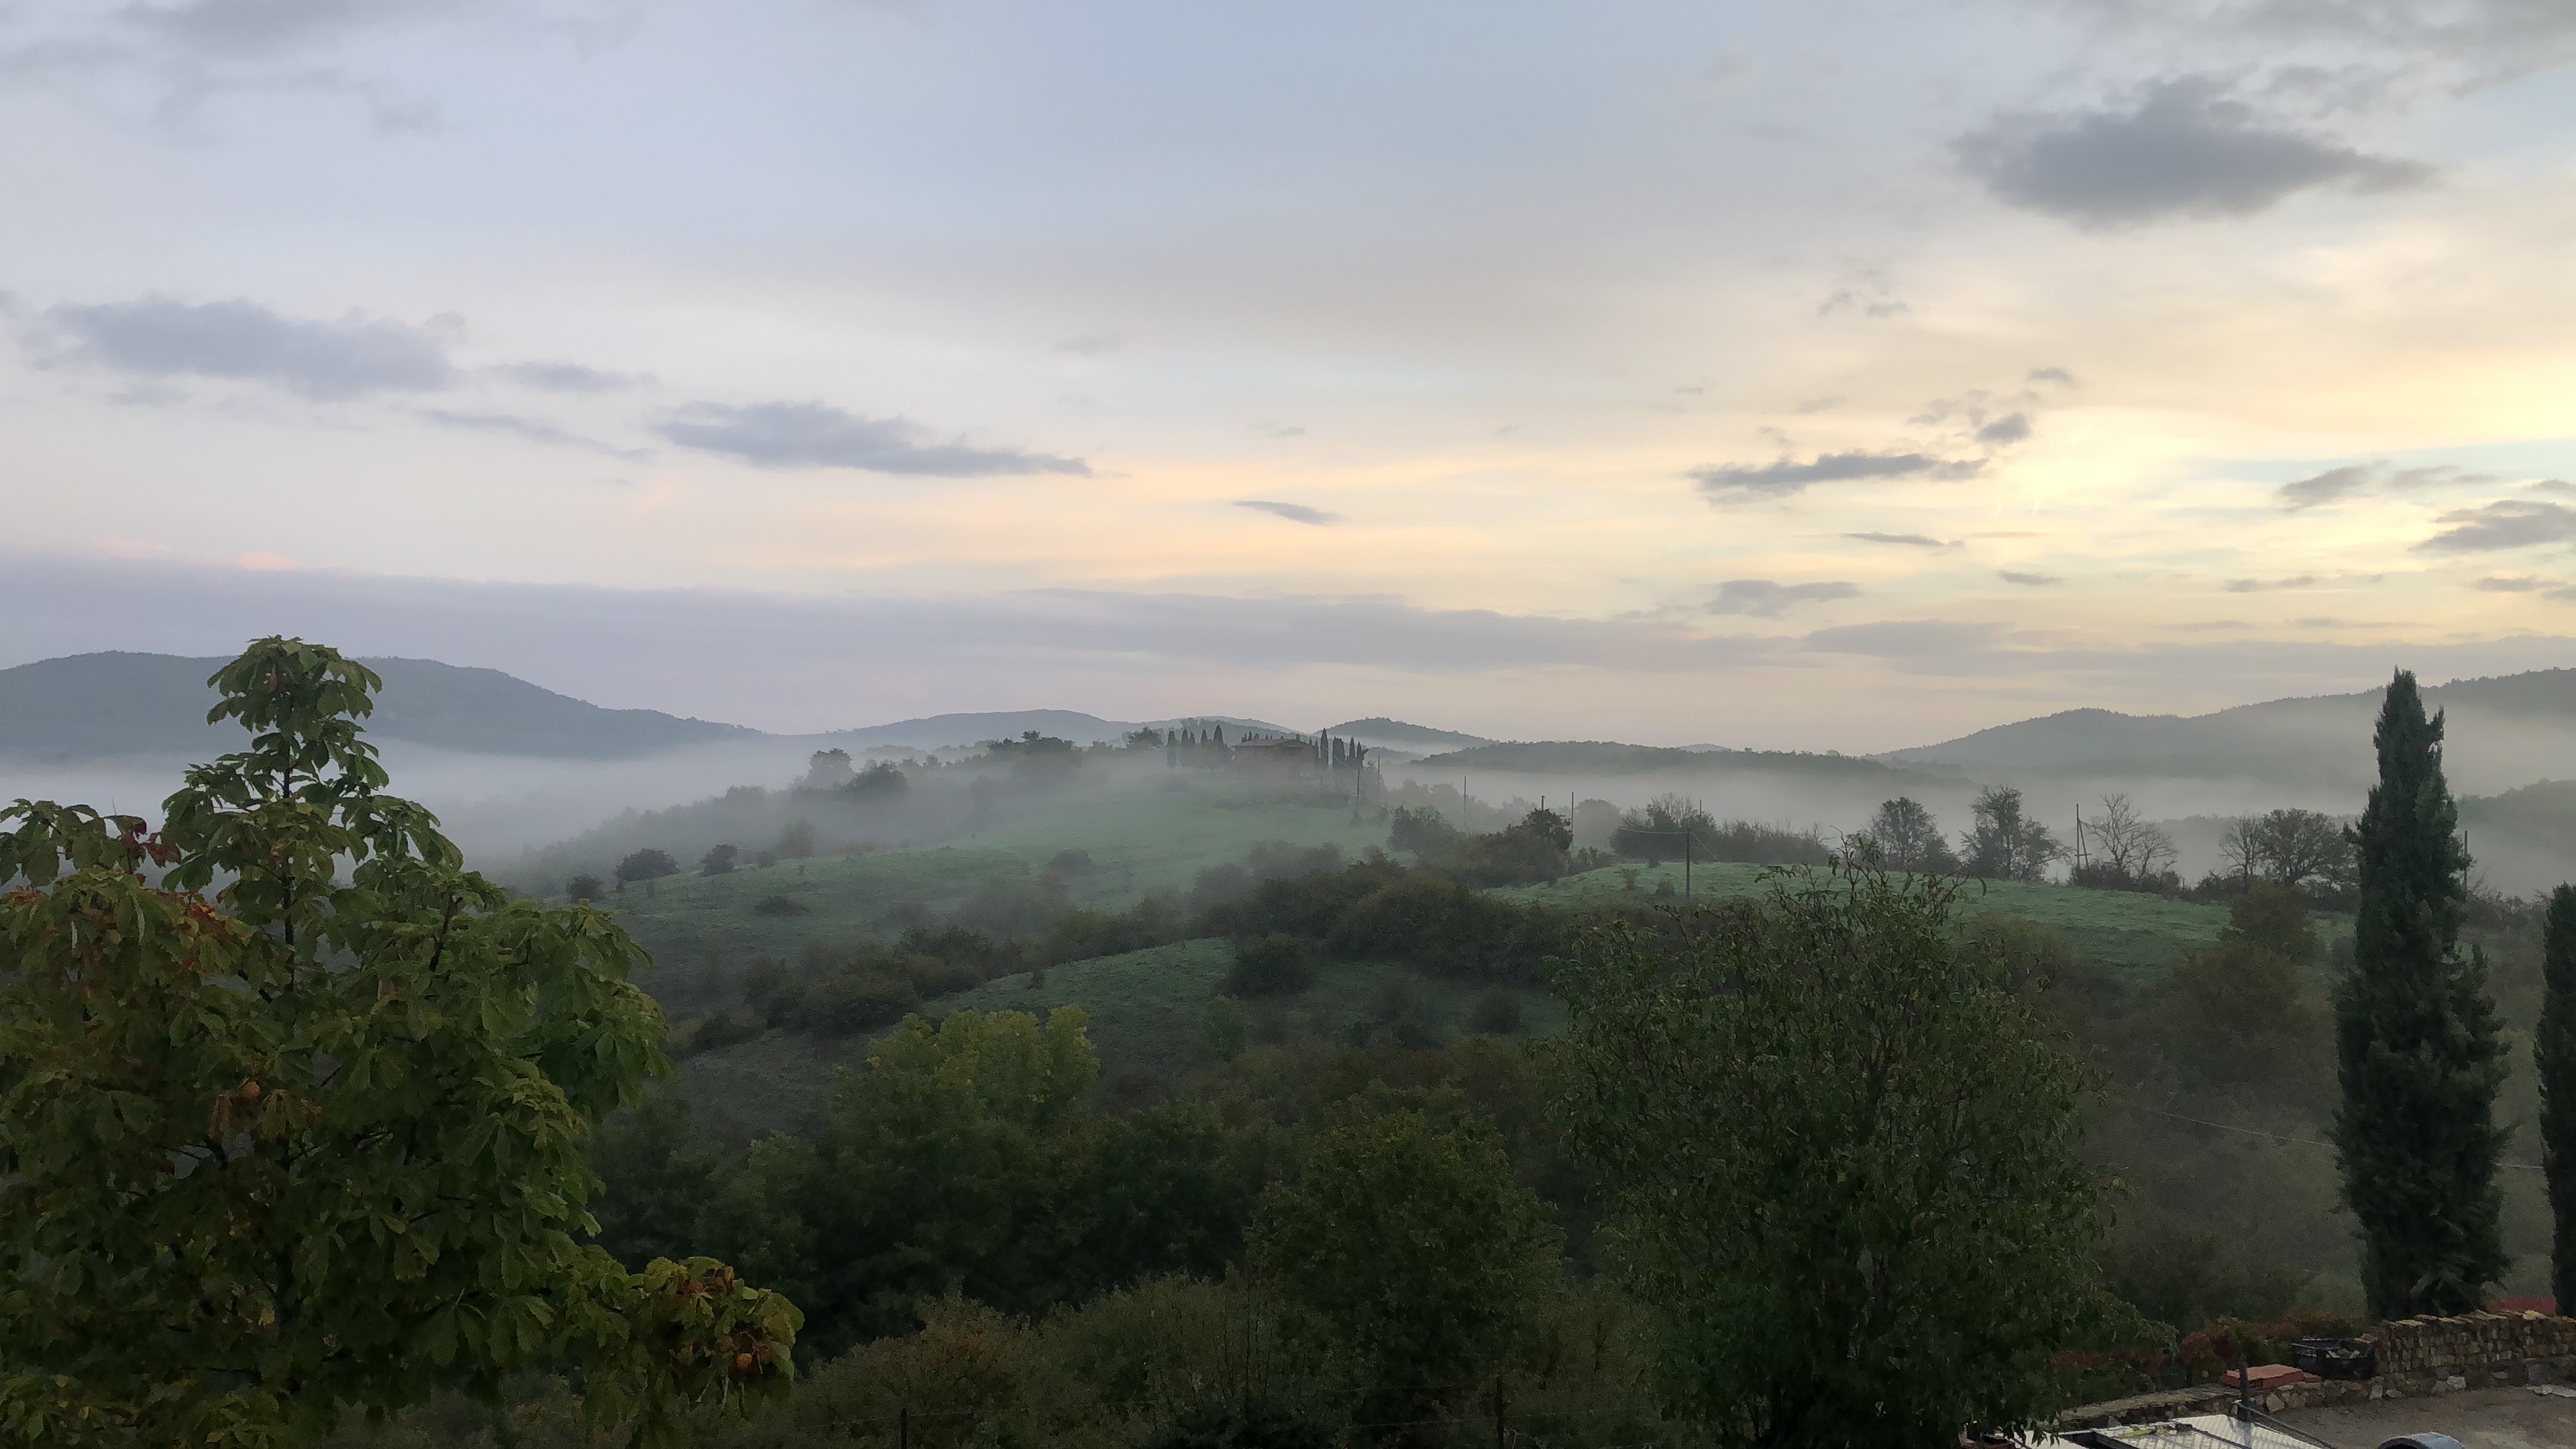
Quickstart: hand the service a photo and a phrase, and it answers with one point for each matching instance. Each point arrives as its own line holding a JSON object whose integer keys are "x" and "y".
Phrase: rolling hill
{"x": 2504, "y": 733}
{"x": 100, "y": 706}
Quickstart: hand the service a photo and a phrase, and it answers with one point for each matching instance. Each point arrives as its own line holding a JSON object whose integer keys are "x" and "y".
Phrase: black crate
{"x": 2336, "y": 1358}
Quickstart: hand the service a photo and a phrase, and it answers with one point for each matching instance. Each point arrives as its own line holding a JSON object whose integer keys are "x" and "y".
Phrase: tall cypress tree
{"x": 2416, "y": 1042}
{"x": 2553, "y": 1051}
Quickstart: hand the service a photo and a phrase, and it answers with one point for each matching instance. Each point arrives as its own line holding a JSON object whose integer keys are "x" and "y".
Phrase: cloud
{"x": 1766, "y": 599}
{"x": 2505, "y": 523}
{"x": 2052, "y": 374}
{"x": 813, "y": 435}
{"x": 2497, "y": 584}
{"x": 242, "y": 340}
{"x": 1907, "y": 639}
{"x": 1908, "y": 540}
{"x": 2559, "y": 486}
{"x": 533, "y": 430}
{"x": 2265, "y": 586}
{"x": 2184, "y": 151}
{"x": 2029, "y": 581}
{"x": 1293, "y": 512}
{"x": 2325, "y": 487}
{"x": 269, "y": 27}
{"x": 1736, "y": 482}
{"x": 2005, "y": 431}
{"x": 568, "y": 377}
{"x": 1093, "y": 344}
{"x": 1816, "y": 405}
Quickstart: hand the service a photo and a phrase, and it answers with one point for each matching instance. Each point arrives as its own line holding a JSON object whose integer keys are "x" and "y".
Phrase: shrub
{"x": 585, "y": 888}
{"x": 781, "y": 906}
{"x": 647, "y": 864}
{"x": 719, "y": 860}
{"x": 1274, "y": 965}
{"x": 1233, "y": 1426}
{"x": 1498, "y": 1012}
{"x": 855, "y": 1002}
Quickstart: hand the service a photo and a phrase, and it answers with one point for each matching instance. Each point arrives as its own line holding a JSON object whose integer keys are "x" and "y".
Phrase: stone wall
{"x": 2416, "y": 1357}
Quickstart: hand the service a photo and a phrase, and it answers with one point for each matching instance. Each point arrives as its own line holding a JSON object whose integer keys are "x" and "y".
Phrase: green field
{"x": 1148, "y": 1008}
{"x": 2133, "y": 936}
{"x": 1143, "y": 841}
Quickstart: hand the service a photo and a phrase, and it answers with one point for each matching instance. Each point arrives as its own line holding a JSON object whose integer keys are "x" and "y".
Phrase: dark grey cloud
{"x": 2326, "y": 487}
{"x": 1768, "y": 599}
{"x": 242, "y": 340}
{"x": 2186, "y": 150}
{"x": 568, "y": 377}
{"x": 836, "y": 655}
{"x": 1905, "y": 638}
{"x": 269, "y": 27}
{"x": 2266, "y": 586}
{"x": 2005, "y": 431}
{"x": 1907, "y": 540}
{"x": 2028, "y": 581}
{"x": 2497, "y": 584}
{"x": 2505, "y": 523}
{"x": 534, "y": 430}
{"x": 1293, "y": 512}
{"x": 1736, "y": 482}
{"x": 2559, "y": 486}
{"x": 813, "y": 435}
{"x": 2052, "y": 374}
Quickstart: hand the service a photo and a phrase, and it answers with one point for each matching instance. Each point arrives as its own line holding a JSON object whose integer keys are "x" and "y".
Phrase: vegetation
{"x": 2553, "y": 1053}
{"x": 314, "y": 1145}
{"x": 2416, "y": 1042}
{"x": 1841, "y": 1156}
{"x": 2004, "y": 844}
{"x": 1407, "y": 1239}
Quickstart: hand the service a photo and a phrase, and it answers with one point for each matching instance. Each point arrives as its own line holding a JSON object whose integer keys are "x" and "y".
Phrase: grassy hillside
{"x": 1141, "y": 840}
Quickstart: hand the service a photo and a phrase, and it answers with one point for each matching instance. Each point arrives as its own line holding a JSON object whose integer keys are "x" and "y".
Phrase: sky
{"x": 1828, "y": 377}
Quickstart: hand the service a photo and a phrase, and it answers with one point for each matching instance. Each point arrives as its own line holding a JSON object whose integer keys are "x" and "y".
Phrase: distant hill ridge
{"x": 1608, "y": 757}
{"x": 943, "y": 731}
{"x": 98, "y": 706}
{"x": 2317, "y": 738}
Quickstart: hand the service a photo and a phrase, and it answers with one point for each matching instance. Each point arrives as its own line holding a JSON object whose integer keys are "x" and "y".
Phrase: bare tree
{"x": 2243, "y": 843}
{"x": 2133, "y": 847}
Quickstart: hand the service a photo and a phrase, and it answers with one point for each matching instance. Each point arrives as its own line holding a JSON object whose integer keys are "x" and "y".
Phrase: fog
{"x": 525, "y": 815}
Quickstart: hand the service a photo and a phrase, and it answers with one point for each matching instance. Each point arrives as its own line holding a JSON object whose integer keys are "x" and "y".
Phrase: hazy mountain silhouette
{"x": 2504, "y": 732}
{"x": 98, "y": 706}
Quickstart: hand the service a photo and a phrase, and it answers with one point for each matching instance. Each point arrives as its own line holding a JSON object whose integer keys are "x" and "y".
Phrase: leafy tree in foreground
{"x": 2416, "y": 1044}
{"x": 1841, "y": 1161}
{"x": 315, "y": 1143}
{"x": 1408, "y": 1238}
{"x": 2554, "y": 1052}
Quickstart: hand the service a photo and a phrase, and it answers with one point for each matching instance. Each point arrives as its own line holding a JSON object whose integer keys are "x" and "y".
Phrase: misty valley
{"x": 1213, "y": 1081}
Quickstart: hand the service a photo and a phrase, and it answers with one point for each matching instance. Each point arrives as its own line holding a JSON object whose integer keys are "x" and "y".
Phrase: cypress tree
{"x": 2416, "y": 1042}
{"x": 2553, "y": 1051}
